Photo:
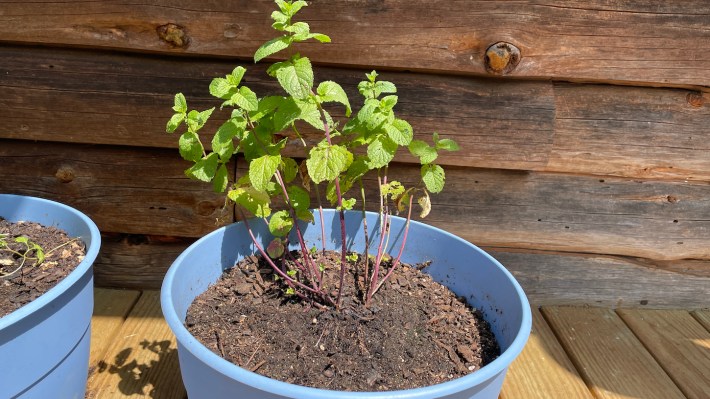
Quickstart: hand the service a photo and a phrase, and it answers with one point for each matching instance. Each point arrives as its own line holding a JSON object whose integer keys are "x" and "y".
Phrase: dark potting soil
{"x": 415, "y": 332}
{"x": 62, "y": 255}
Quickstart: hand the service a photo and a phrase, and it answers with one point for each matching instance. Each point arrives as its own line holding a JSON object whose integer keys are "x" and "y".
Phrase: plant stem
{"x": 401, "y": 248}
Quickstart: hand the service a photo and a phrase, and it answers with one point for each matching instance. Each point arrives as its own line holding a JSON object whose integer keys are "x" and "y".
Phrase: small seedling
{"x": 348, "y": 149}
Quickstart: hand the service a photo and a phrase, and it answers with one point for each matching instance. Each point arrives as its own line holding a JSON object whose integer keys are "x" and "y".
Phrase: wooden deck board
{"x": 573, "y": 352}
{"x": 608, "y": 355}
{"x": 543, "y": 370}
{"x": 679, "y": 343}
{"x": 141, "y": 361}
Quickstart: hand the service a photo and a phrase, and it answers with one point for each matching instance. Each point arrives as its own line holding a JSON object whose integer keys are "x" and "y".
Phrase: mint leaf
{"x": 447, "y": 144}
{"x": 295, "y": 76}
{"x": 253, "y": 201}
{"x": 190, "y": 146}
{"x": 326, "y": 162}
{"x": 400, "y": 131}
{"x": 332, "y": 92}
{"x": 262, "y": 169}
{"x": 380, "y": 152}
{"x": 280, "y": 223}
{"x": 245, "y": 99}
{"x": 348, "y": 204}
{"x": 221, "y": 179}
{"x": 287, "y": 112}
{"x": 271, "y": 47}
{"x": 320, "y": 37}
{"x": 423, "y": 151}
{"x": 433, "y": 177}
{"x": 300, "y": 200}
{"x": 180, "y": 104}
{"x": 204, "y": 169}
{"x": 221, "y": 88}
{"x": 223, "y": 140}
{"x": 174, "y": 122}
{"x": 308, "y": 112}
{"x": 289, "y": 169}
{"x": 236, "y": 76}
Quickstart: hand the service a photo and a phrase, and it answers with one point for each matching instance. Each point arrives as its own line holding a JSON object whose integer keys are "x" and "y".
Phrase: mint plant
{"x": 278, "y": 189}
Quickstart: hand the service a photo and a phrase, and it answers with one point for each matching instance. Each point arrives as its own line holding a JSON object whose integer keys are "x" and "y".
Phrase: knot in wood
{"x": 501, "y": 58}
{"x": 695, "y": 99}
{"x": 65, "y": 174}
{"x": 174, "y": 35}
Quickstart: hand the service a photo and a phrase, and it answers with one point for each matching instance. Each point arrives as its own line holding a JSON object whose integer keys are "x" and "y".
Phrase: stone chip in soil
{"x": 407, "y": 338}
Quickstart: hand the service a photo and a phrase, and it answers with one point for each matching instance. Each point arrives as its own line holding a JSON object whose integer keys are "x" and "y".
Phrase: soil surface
{"x": 62, "y": 255}
{"x": 415, "y": 332}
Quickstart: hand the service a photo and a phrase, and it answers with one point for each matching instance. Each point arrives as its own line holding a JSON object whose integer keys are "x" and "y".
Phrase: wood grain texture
{"x": 610, "y": 359}
{"x": 142, "y": 361}
{"x": 703, "y": 317}
{"x": 107, "y": 98}
{"x": 631, "y": 131}
{"x": 643, "y": 42}
{"x": 543, "y": 370}
{"x": 579, "y": 279}
{"x": 110, "y": 310}
{"x": 127, "y": 190}
{"x": 678, "y": 342}
{"x": 136, "y": 261}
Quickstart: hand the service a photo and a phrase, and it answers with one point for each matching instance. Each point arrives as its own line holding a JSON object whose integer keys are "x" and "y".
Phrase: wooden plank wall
{"x": 585, "y": 169}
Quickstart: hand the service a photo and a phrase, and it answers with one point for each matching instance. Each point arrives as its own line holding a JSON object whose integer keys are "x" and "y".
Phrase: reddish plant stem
{"x": 395, "y": 263}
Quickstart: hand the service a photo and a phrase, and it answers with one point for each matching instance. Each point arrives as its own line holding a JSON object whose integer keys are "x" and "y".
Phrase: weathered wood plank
{"x": 610, "y": 359}
{"x": 142, "y": 361}
{"x": 644, "y": 42}
{"x": 136, "y": 261}
{"x": 703, "y": 317}
{"x": 127, "y": 190}
{"x": 631, "y": 131}
{"x": 543, "y": 370}
{"x": 107, "y": 98}
{"x": 579, "y": 279}
{"x": 678, "y": 342}
{"x": 110, "y": 310}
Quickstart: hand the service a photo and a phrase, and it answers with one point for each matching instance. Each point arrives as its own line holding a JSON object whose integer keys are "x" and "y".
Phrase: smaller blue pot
{"x": 456, "y": 263}
{"x": 44, "y": 345}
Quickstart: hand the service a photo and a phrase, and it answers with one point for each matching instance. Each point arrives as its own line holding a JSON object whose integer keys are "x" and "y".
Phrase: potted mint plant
{"x": 44, "y": 344}
{"x": 327, "y": 266}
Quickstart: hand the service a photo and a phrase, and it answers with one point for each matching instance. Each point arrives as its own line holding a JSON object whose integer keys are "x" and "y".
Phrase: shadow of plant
{"x": 138, "y": 377}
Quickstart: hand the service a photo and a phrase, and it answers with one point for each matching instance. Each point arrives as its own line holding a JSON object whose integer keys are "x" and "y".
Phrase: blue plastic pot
{"x": 44, "y": 345}
{"x": 464, "y": 268}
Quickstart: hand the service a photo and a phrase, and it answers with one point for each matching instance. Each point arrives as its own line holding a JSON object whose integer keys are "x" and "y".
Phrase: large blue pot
{"x": 44, "y": 345}
{"x": 464, "y": 268}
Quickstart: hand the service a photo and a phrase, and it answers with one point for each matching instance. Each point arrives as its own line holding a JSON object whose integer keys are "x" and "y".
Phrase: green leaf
{"x": 380, "y": 152}
{"x": 221, "y": 88}
{"x": 320, "y": 37}
{"x": 262, "y": 169}
{"x": 174, "y": 122}
{"x": 423, "y": 151}
{"x": 299, "y": 29}
{"x": 348, "y": 204}
{"x": 267, "y": 105}
{"x": 180, "y": 103}
{"x": 190, "y": 147}
{"x": 305, "y": 215}
{"x": 382, "y": 87}
{"x": 447, "y": 144}
{"x": 236, "y": 76}
{"x": 280, "y": 223}
{"x": 308, "y": 112}
{"x": 196, "y": 120}
{"x": 289, "y": 169}
{"x": 221, "y": 179}
{"x": 295, "y": 76}
{"x": 388, "y": 102}
{"x": 223, "y": 140}
{"x": 252, "y": 200}
{"x": 326, "y": 162}
{"x": 433, "y": 177}
{"x": 332, "y": 92}
{"x": 204, "y": 169}
{"x": 400, "y": 131}
{"x": 245, "y": 99}
{"x": 300, "y": 200}
{"x": 271, "y": 47}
